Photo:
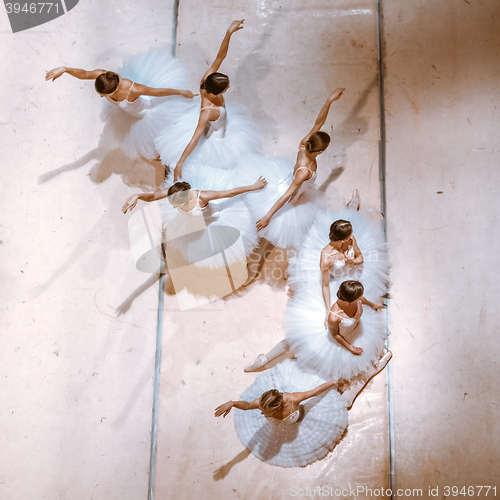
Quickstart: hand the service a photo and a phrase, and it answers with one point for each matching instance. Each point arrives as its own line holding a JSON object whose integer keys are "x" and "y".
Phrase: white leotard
{"x": 207, "y": 212}
{"x": 293, "y": 418}
{"x": 217, "y": 129}
{"x": 348, "y": 324}
{"x": 285, "y": 183}
{"x": 137, "y": 108}
{"x": 340, "y": 265}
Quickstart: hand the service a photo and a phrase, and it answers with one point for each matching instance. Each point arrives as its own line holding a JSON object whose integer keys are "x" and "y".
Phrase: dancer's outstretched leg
{"x": 258, "y": 258}
{"x": 352, "y": 393}
{"x": 262, "y": 359}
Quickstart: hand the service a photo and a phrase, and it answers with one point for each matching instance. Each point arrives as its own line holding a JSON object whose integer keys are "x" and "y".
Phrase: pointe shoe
{"x": 355, "y": 201}
{"x": 248, "y": 282}
{"x": 380, "y": 366}
{"x": 257, "y": 363}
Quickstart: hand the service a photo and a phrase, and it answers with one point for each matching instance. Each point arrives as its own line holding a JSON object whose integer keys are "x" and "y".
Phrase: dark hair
{"x": 271, "y": 400}
{"x": 350, "y": 291}
{"x": 107, "y": 83}
{"x": 178, "y": 193}
{"x": 340, "y": 230}
{"x": 215, "y": 83}
{"x": 317, "y": 142}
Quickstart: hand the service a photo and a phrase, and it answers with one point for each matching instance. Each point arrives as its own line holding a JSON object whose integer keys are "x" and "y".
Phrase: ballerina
{"x": 296, "y": 425}
{"x": 330, "y": 350}
{"x": 140, "y": 102}
{"x": 285, "y": 210}
{"x": 187, "y": 207}
{"x": 362, "y": 257}
{"x": 342, "y": 251}
{"x": 213, "y": 135}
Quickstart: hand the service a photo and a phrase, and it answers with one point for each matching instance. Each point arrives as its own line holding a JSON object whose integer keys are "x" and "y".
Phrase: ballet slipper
{"x": 257, "y": 363}
{"x": 355, "y": 201}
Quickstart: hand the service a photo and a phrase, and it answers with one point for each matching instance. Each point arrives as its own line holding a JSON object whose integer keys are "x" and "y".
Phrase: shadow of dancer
{"x": 109, "y": 161}
{"x": 347, "y": 133}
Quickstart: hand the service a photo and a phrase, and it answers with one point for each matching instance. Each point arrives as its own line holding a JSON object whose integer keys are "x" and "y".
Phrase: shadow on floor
{"x": 140, "y": 173}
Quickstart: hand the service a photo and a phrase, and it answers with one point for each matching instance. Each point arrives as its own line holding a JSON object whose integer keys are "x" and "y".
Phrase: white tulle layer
{"x": 241, "y": 138}
{"x": 289, "y": 226}
{"x": 316, "y": 349}
{"x": 136, "y": 136}
{"x": 277, "y": 442}
{"x": 232, "y": 213}
{"x": 303, "y": 269}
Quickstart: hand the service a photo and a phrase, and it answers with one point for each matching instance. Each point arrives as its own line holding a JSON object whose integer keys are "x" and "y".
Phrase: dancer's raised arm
{"x": 323, "y": 114}
{"x": 208, "y": 196}
{"x": 313, "y": 144}
{"x": 139, "y": 89}
{"x": 209, "y": 112}
{"x": 135, "y": 89}
{"x": 206, "y": 115}
{"x": 299, "y": 178}
{"x": 224, "y": 409}
{"x": 81, "y": 74}
{"x": 298, "y": 397}
{"x": 221, "y": 55}
{"x": 131, "y": 202}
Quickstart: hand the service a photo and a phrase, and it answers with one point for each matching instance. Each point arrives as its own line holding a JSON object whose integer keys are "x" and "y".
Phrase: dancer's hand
{"x": 130, "y": 203}
{"x": 177, "y": 172}
{"x": 55, "y": 73}
{"x": 263, "y": 222}
{"x": 356, "y": 350}
{"x": 188, "y": 94}
{"x": 260, "y": 183}
{"x": 336, "y": 94}
{"x": 224, "y": 409}
{"x": 235, "y": 26}
{"x": 376, "y": 307}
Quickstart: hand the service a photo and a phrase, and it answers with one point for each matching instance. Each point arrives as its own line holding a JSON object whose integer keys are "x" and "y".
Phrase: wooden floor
{"x": 79, "y": 322}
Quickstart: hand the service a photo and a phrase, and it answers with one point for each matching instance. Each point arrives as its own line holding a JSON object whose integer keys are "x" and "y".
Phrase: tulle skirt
{"x": 223, "y": 237}
{"x": 315, "y": 348}
{"x": 289, "y": 226}
{"x": 241, "y": 137}
{"x": 136, "y": 136}
{"x": 284, "y": 444}
{"x": 304, "y": 269}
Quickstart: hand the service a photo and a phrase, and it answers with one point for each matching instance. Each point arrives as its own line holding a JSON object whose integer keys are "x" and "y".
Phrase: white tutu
{"x": 289, "y": 226}
{"x": 315, "y": 348}
{"x": 285, "y": 444}
{"x": 214, "y": 240}
{"x": 137, "y": 132}
{"x": 241, "y": 137}
{"x": 304, "y": 267}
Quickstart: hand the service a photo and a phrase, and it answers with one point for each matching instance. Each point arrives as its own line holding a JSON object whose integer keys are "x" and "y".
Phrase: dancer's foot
{"x": 250, "y": 280}
{"x": 251, "y": 277}
{"x": 256, "y": 363}
{"x": 351, "y": 395}
{"x": 355, "y": 201}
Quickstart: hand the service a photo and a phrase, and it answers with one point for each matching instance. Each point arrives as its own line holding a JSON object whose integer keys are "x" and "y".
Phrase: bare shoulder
{"x": 333, "y": 319}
